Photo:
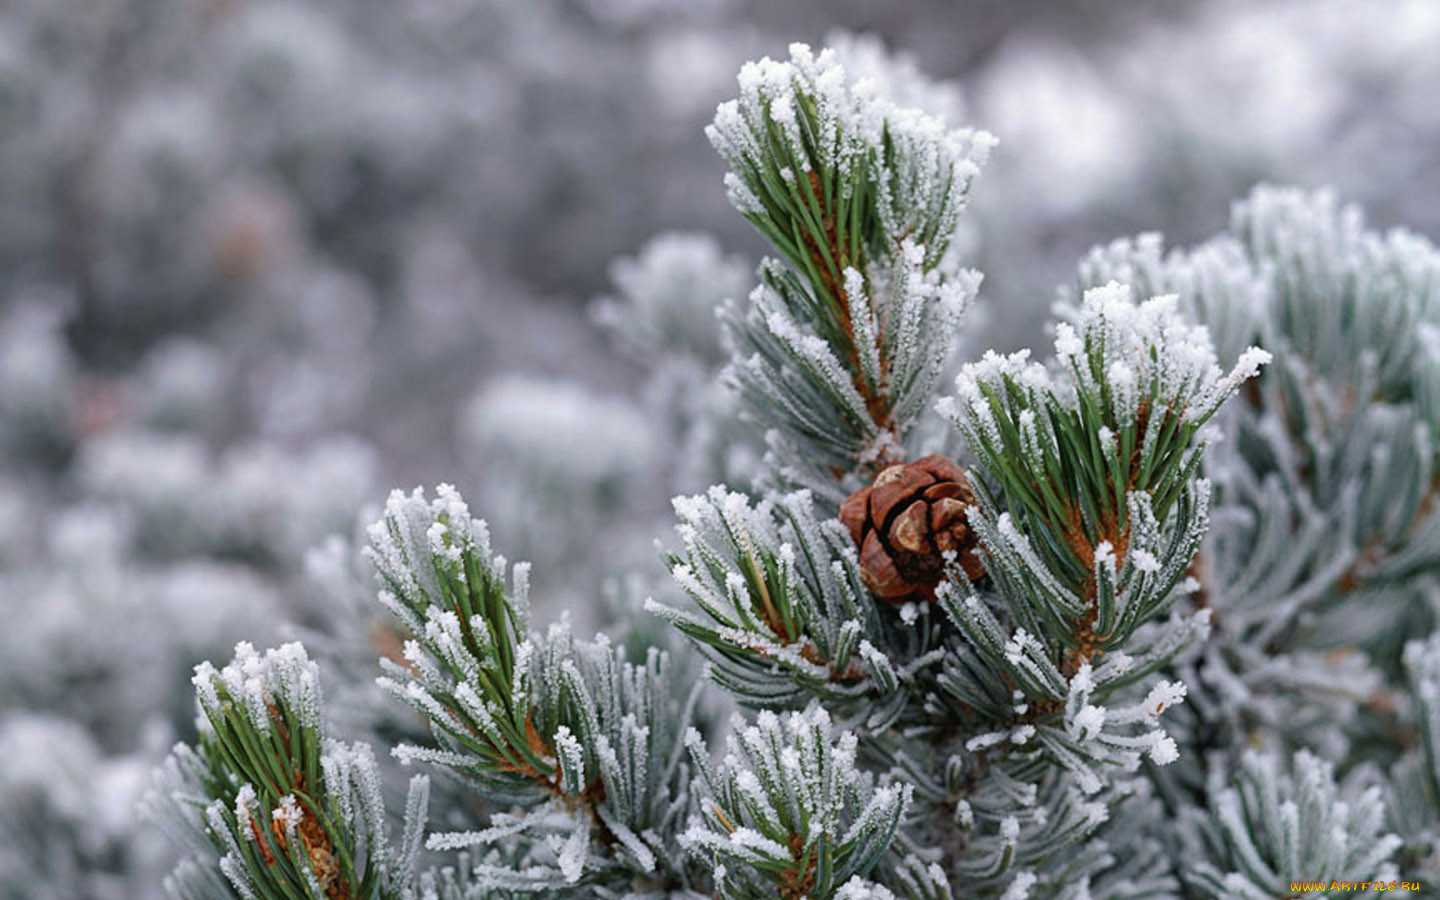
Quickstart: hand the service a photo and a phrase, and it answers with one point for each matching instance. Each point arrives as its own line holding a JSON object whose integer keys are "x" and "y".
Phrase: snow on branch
{"x": 581, "y": 744}
{"x": 270, "y": 802}
{"x": 1281, "y": 824}
{"x": 789, "y": 814}
{"x": 782, "y": 613}
{"x": 838, "y": 354}
{"x": 1096, "y": 511}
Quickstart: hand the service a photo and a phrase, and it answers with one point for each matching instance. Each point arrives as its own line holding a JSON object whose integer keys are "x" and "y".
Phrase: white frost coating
{"x": 1145, "y": 561}
{"x": 572, "y": 759}
{"x": 644, "y": 856}
{"x": 365, "y": 779}
{"x": 288, "y": 814}
{"x": 1019, "y": 889}
{"x": 204, "y": 681}
{"x": 1248, "y": 366}
{"x": 1163, "y": 750}
{"x": 409, "y": 754}
{"x": 461, "y": 840}
{"x": 1182, "y": 366}
{"x": 853, "y": 111}
{"x": 751, "y": 844}
{"x": 1117, "y": 663}
{"x": 574, "y": 854}
{"x": 858, "y": 888}
{"x": 985, "y": 741}
{"x": 964, "y": 815}
{"x": 235, "y": 872}
{"x": 1010, "y": 829}
{"x": 1139, "y": 347}
{"x": 782, "y": 770}
{"x": 1015, "y": 648}
{"x": 1341, "y": 826}
{"x": 416, "y": 534}
{"x": 1088, "y": 722}
{"x": 881, "y": 669}
{"x": 1163, "y": 696}
{"x": 246, "y": 808}
{"x": 284, "y": 674}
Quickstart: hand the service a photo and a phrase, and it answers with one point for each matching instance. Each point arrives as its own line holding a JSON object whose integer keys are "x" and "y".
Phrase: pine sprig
{"x": 468, "y": 667}
{"x": 1274, "y": 827}
{"x": 861, "y": 197}
{"x": 1090, "y": 516}
{"x": 1094, "y": 463}
{"x": 787, "y": 814}
{"x": 784, "y": 618}
{"x": 835, "y": 176}
{"x": 582, "y": 745}
{"x": 286, "y": 811}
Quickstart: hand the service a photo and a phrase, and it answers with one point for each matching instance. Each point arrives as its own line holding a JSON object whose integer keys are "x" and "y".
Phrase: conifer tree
{"x": 1136, "y": 633}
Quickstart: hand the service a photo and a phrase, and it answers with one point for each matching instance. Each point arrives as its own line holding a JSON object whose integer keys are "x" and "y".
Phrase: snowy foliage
{"x": 557, "y": 466}
{"x": 67, "y": 814}
{"x": 785, "y": 617}
{"x": 788, "y": 814}
{"x": 528, "y": 422}
{"x": 256, "y": 501}
{"x": 581, "y": 746}
{"x": 272, "y": 806}
{"x": 1272, "y": 827}
{"x": 663, "y": 314}
{"x": 1193, "y": 652}
{"x": 667, "y": 296}
{"x": 37, "y": 375}
{"x": 1322, "y": 558}
{"x": 1094, "y": 459}
{"x": 1413, "y": 803}
{"x": 836, "y": 354}
{"x": 1326, "y": 518}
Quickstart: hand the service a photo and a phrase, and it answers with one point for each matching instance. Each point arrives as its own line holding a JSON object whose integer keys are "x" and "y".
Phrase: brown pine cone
{"x": 905, "y": 521}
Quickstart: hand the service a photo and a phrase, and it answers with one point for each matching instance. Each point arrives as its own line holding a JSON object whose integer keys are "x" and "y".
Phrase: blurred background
{"x": 262, "y": 260}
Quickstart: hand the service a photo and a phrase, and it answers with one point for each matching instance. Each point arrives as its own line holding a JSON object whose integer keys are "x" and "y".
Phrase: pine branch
{"x": 583, "y": 745}
{"x": 1326, "y": 490}
{"x": 273, "y": 807}
{"x": 789, "y": 815}
{"x": 1325, "y": 534}
{"x": 1274, "y": 828}
{"x": 785, "y": 616}
{"x": 1093, "y": 464}
{"x": 839, "y": 352}
{"x": 1090, "y": 516}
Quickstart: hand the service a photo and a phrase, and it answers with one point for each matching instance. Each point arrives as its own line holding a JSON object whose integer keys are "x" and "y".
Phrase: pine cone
{"x": 906, "y": 521}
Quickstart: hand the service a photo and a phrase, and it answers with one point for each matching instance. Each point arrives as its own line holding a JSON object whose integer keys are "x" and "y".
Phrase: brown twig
{"x": 876, "y": 403}
{"x": 796, "y": 883}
